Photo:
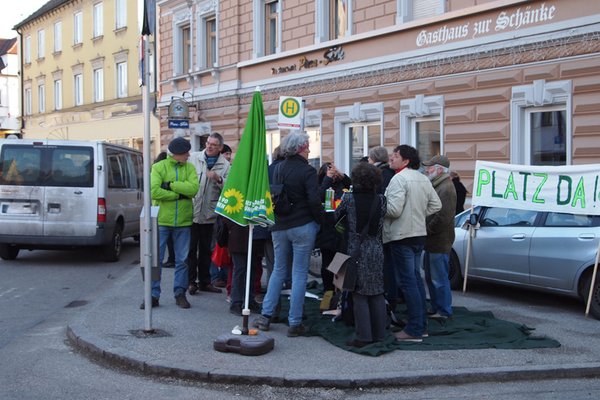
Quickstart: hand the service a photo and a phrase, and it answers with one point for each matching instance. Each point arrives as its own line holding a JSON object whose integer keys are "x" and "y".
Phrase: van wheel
{"x": 455, "y": 275}
{"x": 112, "y": 251}
{"x": 584, "y": 289}
{"x": 8, "y": 252}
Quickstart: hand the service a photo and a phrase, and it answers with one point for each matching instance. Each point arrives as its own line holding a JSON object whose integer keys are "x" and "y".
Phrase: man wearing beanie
{"x": 211, "y": 169}
{"x": 173, "y": 185}
{"x": 440, "y": 237}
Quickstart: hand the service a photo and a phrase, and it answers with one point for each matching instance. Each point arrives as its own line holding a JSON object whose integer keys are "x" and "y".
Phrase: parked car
{"x": 547, "y": 251}
{"x": 57, "y": 194}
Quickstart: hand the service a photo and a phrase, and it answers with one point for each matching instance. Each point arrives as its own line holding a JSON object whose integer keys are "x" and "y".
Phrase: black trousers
{"x": 201, "y": 244}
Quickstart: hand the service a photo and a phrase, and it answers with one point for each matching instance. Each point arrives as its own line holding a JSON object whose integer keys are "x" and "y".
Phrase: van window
{"x": 118, "y": 170}
{"x": 41, "y": 165}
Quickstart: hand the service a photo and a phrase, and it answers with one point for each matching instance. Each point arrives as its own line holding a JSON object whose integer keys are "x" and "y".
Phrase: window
{"x": 271, "y": 26}
{"x": 78, "y": 87}
{"x": 121, "y": 14}
{"x": 273, "y": 140}
{"x": 540, "y": 126}
{"x": 420, "y": 124}
{"x": 27, "y": 50}
{"x": 28, "y": 101}
{"x": 98, "y": 20}
{"x": 57, "y": 37}
{"x": 118, "y": 171}
{"x": 58, "y": 94}
{"x": 211, "y": 42}
{"x": 361, "y": 138}
{"x": 266, "y": 27}
{"x": 99, "y": 84}
{"x": 185, "y": 49}
{"x": 77, "y": 28}
{"x": 41, "y": 44}
{"x": 570, "y": 220}
{"x": 122, "y": 79}
{"x": 41, "y": 98}
{"x": 410, "y": 10}
{"x": 333, "y": 19}
{"x": 496, "y": 216}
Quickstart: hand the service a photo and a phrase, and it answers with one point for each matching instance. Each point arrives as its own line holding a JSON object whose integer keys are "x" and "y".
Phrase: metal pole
{"x": 147, "y": 259}
{"x": 246, "y": 310}
{"x": 303, "y": 115}
{"x": 469, "y": 239}
{"x": 593, "y": 282}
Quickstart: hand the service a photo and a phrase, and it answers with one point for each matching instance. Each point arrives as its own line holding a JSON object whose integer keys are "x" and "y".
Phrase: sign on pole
{"x": 290, "y": 112}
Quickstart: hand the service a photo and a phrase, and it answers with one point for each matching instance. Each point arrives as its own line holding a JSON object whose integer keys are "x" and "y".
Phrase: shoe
{"x": 262, "y": 322}
{"x": 220, "y": 283}
{"x": 209, "y": 288}
{"x": 236, "y": 309}
{"x": 357, "y": 343}
{"x": 228, "y": 299}
{"x": 182, "y": 302}
{"x": 438, "y": 316}
{"x": 154, "y": 303}
{"x": 259, "y": 298}
{"x": 425, "y": 335}
{"x": 296, "y": 330}
{"x": 405, "y": 337}
{"x": 192, "y": 289}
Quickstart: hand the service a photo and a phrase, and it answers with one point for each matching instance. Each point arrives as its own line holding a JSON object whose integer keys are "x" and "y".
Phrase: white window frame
{"x": 78, "y": 89}
{"x": 121, "y": 70}
{"x": 405, "y": 9}
{"x": 41, "y": 98}
{"x": 179, "y": 22}
{"x": 420, "y": 108}
{"x": 58, "y": 94}
{"x": 120, "y": 14}
{"x": 41, "y": 51}
{"x": 57, "y": 36}
{"x": 27, "y": 101}
{"x": 541, "y": 96}
{"x": 77, "y": 28}
{"x": 98, "y": 12}
{"x": 322, "y": 13}
{"x": 98, "y": 85}
{"x": 259, "y": 34}
{"x": 27, "y": 49}
{"x": 358, "y": 113}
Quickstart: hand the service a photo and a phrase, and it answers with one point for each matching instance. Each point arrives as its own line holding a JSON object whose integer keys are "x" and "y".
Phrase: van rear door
{"x": 22, "y": 190}
{"x": 71, "y": 196}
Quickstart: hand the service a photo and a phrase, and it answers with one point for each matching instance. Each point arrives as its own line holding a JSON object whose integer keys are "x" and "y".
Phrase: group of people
{"x": 398, "y": 214}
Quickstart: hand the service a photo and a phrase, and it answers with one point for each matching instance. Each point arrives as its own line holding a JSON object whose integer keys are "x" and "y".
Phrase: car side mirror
{"x": 473, "y": 219}
{"x": 471, "y": 222}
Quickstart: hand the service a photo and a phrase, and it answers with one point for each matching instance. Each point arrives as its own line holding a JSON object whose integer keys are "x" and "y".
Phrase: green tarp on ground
{"x": 465, "y": 330}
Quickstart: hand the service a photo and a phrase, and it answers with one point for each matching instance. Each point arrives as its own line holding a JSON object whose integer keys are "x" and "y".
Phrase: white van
{"x": 57, "y": 194}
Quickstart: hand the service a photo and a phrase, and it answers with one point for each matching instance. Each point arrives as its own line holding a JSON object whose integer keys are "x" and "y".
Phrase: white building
{"x": 9, "y": 88}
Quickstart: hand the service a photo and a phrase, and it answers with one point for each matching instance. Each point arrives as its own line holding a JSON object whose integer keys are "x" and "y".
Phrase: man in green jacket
{"x": 173, "y": 184}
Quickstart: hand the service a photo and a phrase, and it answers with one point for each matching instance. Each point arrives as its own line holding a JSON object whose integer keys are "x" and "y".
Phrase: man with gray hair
{"x": 212, "y": 169}
{"x": 440, "y": 236}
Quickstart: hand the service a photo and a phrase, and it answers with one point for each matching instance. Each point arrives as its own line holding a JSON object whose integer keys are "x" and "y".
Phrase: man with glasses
{"x": 212, "y": 169}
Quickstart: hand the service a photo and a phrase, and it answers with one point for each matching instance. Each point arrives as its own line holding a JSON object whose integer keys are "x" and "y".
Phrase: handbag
{"x": 344, "y": 266}
{"x": 221, "y": 257}
{"x": 279, "y": 198}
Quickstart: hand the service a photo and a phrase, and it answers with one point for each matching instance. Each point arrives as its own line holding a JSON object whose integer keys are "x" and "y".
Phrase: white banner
{"x": 570, "y": 189}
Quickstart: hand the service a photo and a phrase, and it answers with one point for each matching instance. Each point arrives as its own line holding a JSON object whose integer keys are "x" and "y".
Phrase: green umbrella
{"x": 246, "y": 197}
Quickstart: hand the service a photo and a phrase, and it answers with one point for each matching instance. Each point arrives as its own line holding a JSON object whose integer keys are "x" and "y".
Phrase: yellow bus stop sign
{"x": 290, "y": 112}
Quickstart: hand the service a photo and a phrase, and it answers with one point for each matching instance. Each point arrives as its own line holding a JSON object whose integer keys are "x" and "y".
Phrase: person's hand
{"x": 166, "y": 185}
{"x": 214, "y": 176}
{"x": 182, "y": 197}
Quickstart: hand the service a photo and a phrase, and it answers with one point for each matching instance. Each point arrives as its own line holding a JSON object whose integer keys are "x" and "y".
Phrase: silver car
{"x": 547, "y": 251}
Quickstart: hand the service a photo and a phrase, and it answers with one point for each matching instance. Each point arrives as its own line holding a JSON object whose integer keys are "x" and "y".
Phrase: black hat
{"x": 226, "y": 149}
{"x": 179, "y": 146}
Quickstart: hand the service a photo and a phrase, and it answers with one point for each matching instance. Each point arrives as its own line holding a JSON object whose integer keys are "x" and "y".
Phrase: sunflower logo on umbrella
{"x": 269, "y": 203}
{"x": 235, "y": 201}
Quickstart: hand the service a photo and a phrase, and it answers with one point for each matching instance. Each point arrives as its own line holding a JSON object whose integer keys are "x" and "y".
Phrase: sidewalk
{"x": 104, "y": 328}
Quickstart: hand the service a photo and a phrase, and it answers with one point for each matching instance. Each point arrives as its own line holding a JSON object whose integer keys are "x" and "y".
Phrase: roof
{"x": 7, "y": 46}
{"x": 49, "y": 6}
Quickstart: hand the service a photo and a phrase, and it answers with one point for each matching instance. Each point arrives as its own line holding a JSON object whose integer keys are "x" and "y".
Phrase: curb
{"x": 80, "y": 338}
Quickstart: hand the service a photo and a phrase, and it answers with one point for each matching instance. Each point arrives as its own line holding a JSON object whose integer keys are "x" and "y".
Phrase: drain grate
{"x": 155, "y": 333}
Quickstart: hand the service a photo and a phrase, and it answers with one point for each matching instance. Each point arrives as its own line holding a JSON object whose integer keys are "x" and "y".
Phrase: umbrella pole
{"x": 246, "y": 310}
{"x": 470, "y": 237}
{"x": 591, "y": 293}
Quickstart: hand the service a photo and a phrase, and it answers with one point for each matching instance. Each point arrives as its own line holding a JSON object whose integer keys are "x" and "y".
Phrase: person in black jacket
{"x": 378, "y": 156}
{"x": 461, "y": 192}
{"x": 293, "y": 233}
{"x": 330, "y": 177}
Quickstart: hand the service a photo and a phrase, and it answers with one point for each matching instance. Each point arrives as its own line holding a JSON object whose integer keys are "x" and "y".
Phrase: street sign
{"x": 179, "y": 124}
{"x": 290, "y": 112}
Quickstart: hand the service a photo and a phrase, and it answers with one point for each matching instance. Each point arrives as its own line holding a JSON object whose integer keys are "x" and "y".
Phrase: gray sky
{"x": 15, "y": 11}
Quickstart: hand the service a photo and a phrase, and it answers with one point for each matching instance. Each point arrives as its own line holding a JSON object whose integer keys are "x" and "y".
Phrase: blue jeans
{"x": 297, "y": 242}
{"x": 406, "y": 263}
{"x": 436, "y": 267}
{"x": 181, "y": 245}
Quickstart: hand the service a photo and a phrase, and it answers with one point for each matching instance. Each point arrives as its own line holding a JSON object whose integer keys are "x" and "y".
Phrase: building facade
{"x": 509, "y": 81}
{"x": 9, "y": 88}
{"x": 80, "y": 71}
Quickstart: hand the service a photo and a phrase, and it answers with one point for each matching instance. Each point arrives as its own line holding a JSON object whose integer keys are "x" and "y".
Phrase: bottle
{"x": 329, "y": 199}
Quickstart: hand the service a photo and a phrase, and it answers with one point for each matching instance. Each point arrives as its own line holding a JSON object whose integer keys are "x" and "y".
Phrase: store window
{"x": 540, "y": 131}
{"x": 421, "y": 124}
{"x": 362, "y": 137}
